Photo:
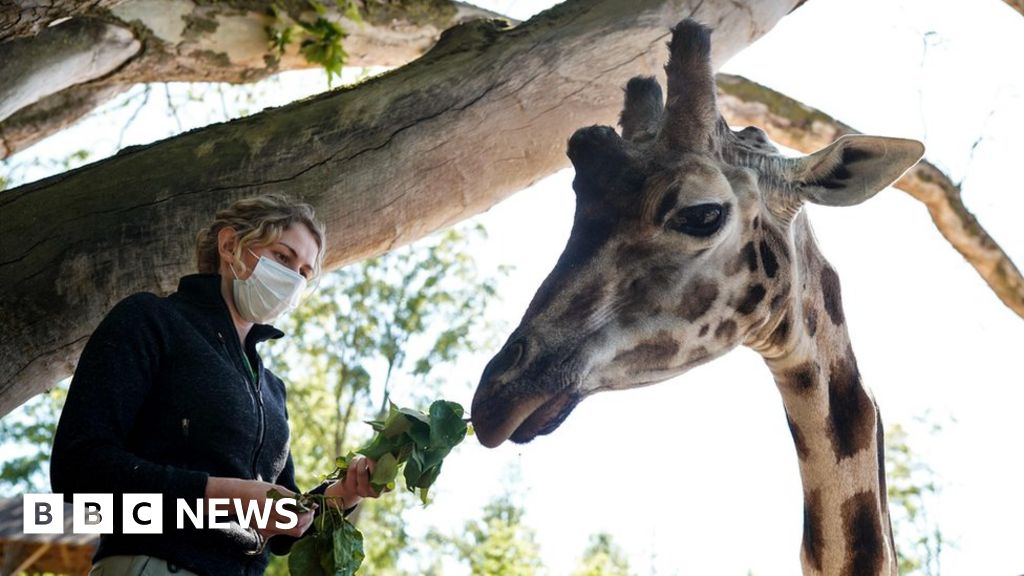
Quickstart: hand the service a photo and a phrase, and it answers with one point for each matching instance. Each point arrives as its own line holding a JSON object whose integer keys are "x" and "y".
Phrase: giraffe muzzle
{"x": 523, "y": 393}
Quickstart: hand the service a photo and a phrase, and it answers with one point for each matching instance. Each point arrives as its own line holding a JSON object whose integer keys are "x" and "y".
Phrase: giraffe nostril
{"x": 508, "y": 358}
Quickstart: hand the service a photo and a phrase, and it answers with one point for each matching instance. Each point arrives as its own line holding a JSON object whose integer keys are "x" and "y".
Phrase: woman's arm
{"x": 114, "y": 374}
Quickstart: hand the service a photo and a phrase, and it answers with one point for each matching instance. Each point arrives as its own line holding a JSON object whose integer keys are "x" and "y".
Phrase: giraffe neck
{"x": 835, "y": 424}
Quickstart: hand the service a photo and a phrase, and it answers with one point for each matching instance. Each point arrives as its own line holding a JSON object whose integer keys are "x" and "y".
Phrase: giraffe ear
{"x": 853, "y": 169}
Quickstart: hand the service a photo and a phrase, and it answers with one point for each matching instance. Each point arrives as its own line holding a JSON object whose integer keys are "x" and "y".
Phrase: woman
{"x": 170, "y": 396}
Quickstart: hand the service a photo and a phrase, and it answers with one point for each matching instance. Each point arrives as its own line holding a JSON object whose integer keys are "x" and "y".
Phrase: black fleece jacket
{"x": 162, "y": 400}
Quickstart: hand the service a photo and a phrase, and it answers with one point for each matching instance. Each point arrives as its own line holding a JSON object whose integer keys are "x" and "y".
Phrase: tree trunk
{"x": 484, "y": 114}
{"x": 117, "y": 44}
{"x": 803, "y": 128}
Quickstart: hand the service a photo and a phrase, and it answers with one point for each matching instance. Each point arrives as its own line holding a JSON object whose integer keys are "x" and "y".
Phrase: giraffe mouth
{"x": 524, "y": 421}
{"x": 546, "y": 418}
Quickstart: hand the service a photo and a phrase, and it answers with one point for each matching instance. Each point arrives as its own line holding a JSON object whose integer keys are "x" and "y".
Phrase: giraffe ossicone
{"x": 688, "y": 240}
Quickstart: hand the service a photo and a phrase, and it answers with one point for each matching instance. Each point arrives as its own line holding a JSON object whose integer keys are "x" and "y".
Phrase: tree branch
{"x": 32, "y": 16}
{"x": 75, "y": 52}
{"x": 806, "y": 129}
{"x": 484, "y": 114}
{"x": 187, "y": 42}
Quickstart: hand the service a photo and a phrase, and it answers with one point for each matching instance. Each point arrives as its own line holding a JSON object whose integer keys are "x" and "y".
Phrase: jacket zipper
{"x": 254, "y": 380}
{"x": 263, "y": 424}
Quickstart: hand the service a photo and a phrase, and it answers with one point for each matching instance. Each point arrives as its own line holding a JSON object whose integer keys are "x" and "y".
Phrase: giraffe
{"x": 688, "y": 240}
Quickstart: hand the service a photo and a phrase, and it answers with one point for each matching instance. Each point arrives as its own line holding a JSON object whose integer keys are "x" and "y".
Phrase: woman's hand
{"x": 254, "y": 493}
{"x": 356, "y": 485}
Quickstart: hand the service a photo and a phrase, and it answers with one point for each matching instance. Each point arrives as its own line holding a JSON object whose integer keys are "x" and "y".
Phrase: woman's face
{"x": 295, "y": 249}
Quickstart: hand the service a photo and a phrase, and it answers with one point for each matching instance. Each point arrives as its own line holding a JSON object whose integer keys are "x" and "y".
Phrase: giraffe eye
{"x": 701, "y": 220}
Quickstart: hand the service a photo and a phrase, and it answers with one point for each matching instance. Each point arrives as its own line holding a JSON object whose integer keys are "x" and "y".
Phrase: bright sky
{"x": 698, "y": 475}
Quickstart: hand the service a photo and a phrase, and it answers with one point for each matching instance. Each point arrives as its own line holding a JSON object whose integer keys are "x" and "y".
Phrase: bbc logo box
{"x": 91, "y": 514}
{"x": 43, "y": 514}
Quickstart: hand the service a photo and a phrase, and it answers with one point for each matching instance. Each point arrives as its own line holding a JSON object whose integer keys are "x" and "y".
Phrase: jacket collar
{"x": 203, "y": 290}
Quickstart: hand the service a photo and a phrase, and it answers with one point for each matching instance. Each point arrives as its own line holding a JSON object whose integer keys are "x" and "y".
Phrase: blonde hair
{"x": 257, "y": 221}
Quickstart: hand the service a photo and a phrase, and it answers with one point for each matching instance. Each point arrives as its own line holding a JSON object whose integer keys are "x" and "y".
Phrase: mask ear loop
{"x": 232, "y": 265}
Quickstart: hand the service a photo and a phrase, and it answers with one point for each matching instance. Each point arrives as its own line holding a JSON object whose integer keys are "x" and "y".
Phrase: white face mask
{"x": 269, "y": 291}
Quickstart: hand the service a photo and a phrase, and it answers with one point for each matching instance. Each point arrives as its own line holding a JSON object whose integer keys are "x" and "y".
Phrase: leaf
{"x": 396, "y": 423}
{"x": 413, "y": 470}
{"x": 419, "y": 432}
{"x": 304, "y": 559}
{"x": 342, "y": 461}
{"x": 381, "y": 445}
{"x": 347, "y": 549}
{"x": 385, "y": 472}
{"x": 429, "y": 477}
{"x": 415, "y": 414}
{"x": 447, "y": 428}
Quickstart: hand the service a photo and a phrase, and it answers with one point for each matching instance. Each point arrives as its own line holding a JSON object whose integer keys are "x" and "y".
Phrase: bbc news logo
{"x": 143, "y": 513}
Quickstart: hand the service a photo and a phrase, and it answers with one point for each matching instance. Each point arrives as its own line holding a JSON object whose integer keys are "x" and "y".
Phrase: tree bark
{"x": 24, "y": 18}
{"x": 78, "y": 51}
{"x": 806, "y": 129}
{"x": 484, "y": 114}
{"x": 181, "y": 40}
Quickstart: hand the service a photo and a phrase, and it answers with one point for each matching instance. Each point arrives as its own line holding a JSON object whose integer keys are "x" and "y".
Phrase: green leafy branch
{"x": 406, "y": 439}
{"x": 320, "y": 40}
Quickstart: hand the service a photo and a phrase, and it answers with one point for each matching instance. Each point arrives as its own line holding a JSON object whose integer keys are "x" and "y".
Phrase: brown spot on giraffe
{"x": 778, "y": 300}
{"x": 726, "y": 330}
{"x": 698, "y": 354}
{"x": 639, "y": 293}
{"x": 831, "y": 296}
{"x": 800, "y": 379}
{"x": 629, "y": 254}
{"x": 813, "y": 532}
{"x": 781, "y": 333}
{"x": 771, "y": 264}
{"x": 863, "y": 535}
{"x": 703, "y": 330}
{"x": 777, "y": 243}
{"x": 584, "y": 303}
{"x": 654, "y": 353}
{"x": 802, "y": 451}
{"x": 747, "y": 258}
{"x": 811, "y": 320}
{"x": 880, "y": 447}
{"x": 851, "y": 411}
{"x": 698, "y": 299}
{"x": 753, "y": 296}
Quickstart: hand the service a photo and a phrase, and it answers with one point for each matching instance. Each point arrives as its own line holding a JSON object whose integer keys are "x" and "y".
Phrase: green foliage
{"x": 319, "y": 40}
{"x": 602, "y": 557}
{"x": 498, "y": 544}
{"x": 331, "y": 547}
{"x": 414, "y": 439}
{"x": 912, "y": 488}
{"x": 31, "y": 429}
{"x": 408, "y": 438}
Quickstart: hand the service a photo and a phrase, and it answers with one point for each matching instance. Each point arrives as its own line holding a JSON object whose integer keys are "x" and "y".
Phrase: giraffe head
{"x": 682, "y": 248}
